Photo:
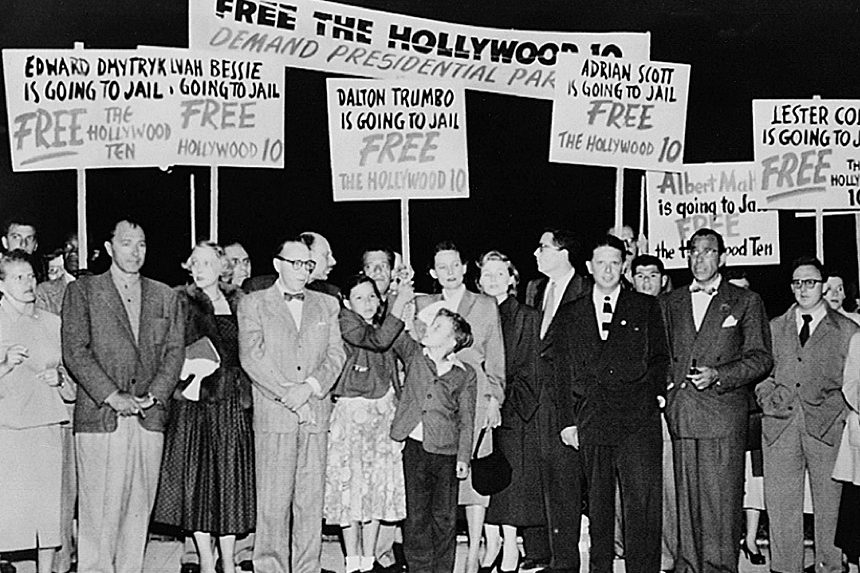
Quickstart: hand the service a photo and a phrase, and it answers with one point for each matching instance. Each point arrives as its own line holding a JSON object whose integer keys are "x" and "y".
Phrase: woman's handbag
{"x": 490, "y": 474}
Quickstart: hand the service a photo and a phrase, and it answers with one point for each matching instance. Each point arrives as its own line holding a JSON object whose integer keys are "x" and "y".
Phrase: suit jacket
{"x": 276, "y": 355}
{"x": 49, "y": 295}
{"x": 102, "y": 355}
{"x": 735, "y": 339}
{"x": 521, "y": 333}
{"x": 612, "y": 385}
{"x": 806, "y": 377}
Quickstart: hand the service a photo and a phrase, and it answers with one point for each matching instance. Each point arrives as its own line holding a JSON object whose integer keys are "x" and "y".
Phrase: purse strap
{"x": 478, "y": 445}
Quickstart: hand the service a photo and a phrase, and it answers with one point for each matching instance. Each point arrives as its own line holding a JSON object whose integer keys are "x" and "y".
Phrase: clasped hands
{"x": 296, "y": 400}
{"x": 126, "y": 404}
{"x": 705, "y": 377}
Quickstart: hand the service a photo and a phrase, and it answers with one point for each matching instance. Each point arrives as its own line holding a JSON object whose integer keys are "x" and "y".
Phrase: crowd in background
{"x": 245, "y": 410}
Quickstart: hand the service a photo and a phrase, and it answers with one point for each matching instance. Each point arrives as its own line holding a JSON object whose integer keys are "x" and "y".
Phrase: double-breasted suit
{"x": 559, "y": 467}
{"x": 487, "y": 356}
{"x": 118, "y": 456}
{"x": 709, "y": 426}
{"x": 804, "y": 415}
{"x": 613, "y": 388}
{"x": 290, "y": 453}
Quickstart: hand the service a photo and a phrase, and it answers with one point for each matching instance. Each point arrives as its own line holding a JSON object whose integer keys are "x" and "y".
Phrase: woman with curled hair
{"x": 520, "y": 504}
{"x": 207, "y": 472}
{"x": 33, "y": 389}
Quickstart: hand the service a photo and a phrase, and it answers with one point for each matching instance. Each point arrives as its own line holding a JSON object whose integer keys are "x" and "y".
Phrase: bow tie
{"x": 709, "y": 290}
{"x": 288, "y": 296}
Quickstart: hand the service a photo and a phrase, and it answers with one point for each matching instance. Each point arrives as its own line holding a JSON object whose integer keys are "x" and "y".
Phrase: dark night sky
{"x": 739, "y": 51}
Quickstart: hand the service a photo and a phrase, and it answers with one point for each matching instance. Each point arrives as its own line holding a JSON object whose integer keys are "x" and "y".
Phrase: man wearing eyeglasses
{"x": 290, "y": 345}
{"x": 803, "y": 418}
{"x": 720, "y": 343}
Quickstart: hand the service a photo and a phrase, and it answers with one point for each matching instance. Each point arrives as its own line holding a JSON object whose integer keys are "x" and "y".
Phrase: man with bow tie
{"x": 612, "y": 351}
{"x": 803, "y": 419}
{"x": 290, "y": 345}
{"x": 719, "y": 343}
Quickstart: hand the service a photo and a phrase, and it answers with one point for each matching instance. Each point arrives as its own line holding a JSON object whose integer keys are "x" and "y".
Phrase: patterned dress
{"x": 207, "y": 471}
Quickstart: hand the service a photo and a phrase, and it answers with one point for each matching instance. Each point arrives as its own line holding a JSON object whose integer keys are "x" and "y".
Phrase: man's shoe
{"x": 529, "y": 564}
{"x": 246, "y": 565}
{"x": 189, "y": 568}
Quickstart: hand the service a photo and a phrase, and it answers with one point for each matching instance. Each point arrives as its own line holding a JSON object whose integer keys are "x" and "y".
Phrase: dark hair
{"x": 647, "y": 261}
{"x": 808, "y": 261}
{"x": 389, "y": 254}
{"x": 447, "y": 245}
{"x": 610, "y": 241}
{"x": 735, "y": 274}
{"x": 565, "y": 239}
{"x": 462, "y": 331}
{"x": 288, "y": 239}
{"x": 361, "y": 278}
{"x": 131, "y": 223}
{"x": 21, "y": 222}
{"x": 15, "y": 256}
{"x": 706, "y": 232}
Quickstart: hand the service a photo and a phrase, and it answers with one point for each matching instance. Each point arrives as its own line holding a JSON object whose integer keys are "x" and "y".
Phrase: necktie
{"x": 548, "y": 307}
{"x": 804, "y": 330}
{"x": 288, "y": 296}
{"x": 607, "y": 317}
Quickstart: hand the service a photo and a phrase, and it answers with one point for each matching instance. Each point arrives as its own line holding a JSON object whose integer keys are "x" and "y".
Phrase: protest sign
{"x": 394, "y": 139}
{"x": 721, "y": 196}
{"x": 808, "y": 153}
{"x": 71, "y": 109}
{"x": 338, "y": 38}
{"x": 619, "y": 112}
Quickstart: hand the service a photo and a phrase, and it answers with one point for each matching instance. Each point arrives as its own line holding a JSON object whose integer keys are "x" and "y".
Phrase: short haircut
{"x": 706, "y": 232}
{"x": 735, "y": 274}
{"x": 15, "y": 256}
{"x": 462, "y": 330}
{"x": 565, "y": 239}
{"x": 288, "y": 239}
{"x": 389, "y": 254}
{"x": 610, "y": 241}
{"x": 232, "y": 242}
{"x": 446, "y": 245}
{"x": 647, "y": 261}
{"x": 309, "y": 238}
{"x": 21, "y": 222}
{"x": 131, "y": 223}
{"x": 512, "y": 270}
{"x": 809, "y": 261}
{"x": 361, "y": 278}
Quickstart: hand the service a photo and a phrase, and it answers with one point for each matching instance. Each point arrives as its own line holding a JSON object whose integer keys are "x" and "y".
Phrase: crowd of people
{"x": 247, "y": 410}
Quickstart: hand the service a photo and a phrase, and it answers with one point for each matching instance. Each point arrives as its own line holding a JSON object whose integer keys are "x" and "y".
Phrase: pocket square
{"x": 730, "y": 321}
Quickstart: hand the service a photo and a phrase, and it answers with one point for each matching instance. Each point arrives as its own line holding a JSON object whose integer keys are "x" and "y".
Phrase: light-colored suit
{"x": 804, "y": 414}
{"x": 487, "y": 357}
{"x": 119, "y": 457}
{"x": 290, "y": 456}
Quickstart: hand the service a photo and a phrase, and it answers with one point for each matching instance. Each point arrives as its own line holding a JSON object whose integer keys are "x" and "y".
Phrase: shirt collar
{"x": 124, "y": 279}
{"x": 817, "y": 313}
{"x": 714, "y": 285}
{"x": 598, "y": 297}
{"x": 450, "y": 359}
{"x": 282, "y": 290}
{"x": 562, "y": 282}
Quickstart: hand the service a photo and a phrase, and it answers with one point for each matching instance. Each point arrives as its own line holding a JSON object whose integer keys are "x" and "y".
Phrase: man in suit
{"x": 804, "y": 413}
{"x": 720, "y": 343}
{"x": 123, "y": 341}
{"x": 290, "y": 345}
{"x": 555, "y": 546}
{"x": 611, "y": 347}
{"x": 239, "y": 261}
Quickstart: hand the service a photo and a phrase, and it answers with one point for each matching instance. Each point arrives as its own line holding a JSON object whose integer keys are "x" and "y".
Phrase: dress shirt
{"x": 560, "y": 287}
{"x": 702, "y": 300}
{"x": 818, "y": 313}
{"x": 599, "y": 298}
{"x": 128, "y": 286}
{"x": 442, "y": 367}
{"x": 295, "y": 307}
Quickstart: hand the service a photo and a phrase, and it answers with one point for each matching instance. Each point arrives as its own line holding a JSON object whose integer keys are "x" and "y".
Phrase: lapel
{"x": 108, "y": 295}
{"x": 820, "y": 335}
{"x": 596, "y": 347}
{"x": 540, "y": 289}
{"x": 278, "y": 309}
{"x": 682, "y": 307}
{"x": 466, "y": 303}
{"x": 720, "y": 308}
{"x": 310, "y": 313}
{"x": 148, "y": 311}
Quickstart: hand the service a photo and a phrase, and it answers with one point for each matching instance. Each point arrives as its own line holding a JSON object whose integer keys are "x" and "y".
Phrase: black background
{"x": 739, "y": 51}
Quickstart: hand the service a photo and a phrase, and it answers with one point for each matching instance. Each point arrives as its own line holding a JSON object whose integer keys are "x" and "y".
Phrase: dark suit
{"x": 709, "y": 426}
{"x": 560, "y": 471}
{"x": 614, "y": 385}
{"x": 118, "y": 456}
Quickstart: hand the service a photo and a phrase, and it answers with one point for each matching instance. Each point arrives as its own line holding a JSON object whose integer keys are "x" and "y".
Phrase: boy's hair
{"x": 462, "y": 331}
{"x": 647, "y": 261}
